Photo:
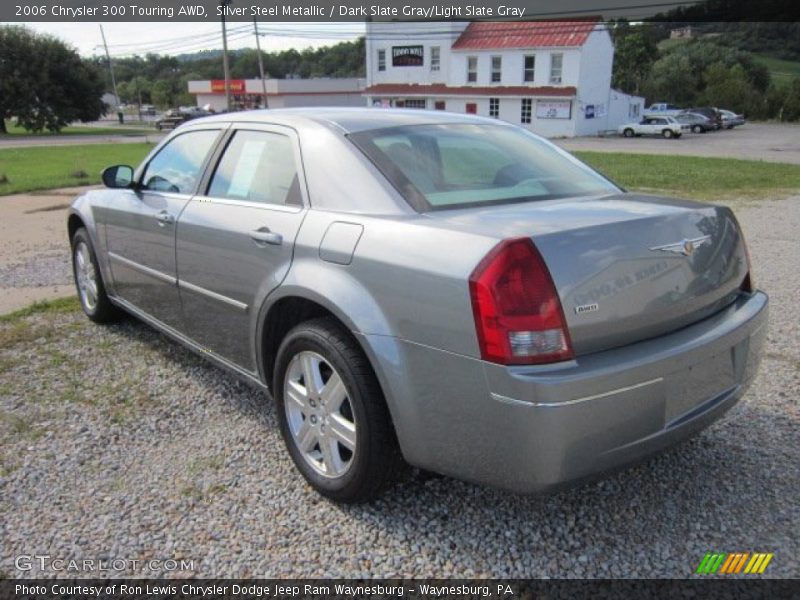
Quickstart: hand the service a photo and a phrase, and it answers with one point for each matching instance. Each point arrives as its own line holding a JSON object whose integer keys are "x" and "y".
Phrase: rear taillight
{"x": 517, "y": 311}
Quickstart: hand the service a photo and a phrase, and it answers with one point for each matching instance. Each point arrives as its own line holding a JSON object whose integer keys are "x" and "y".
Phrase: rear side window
{"x": 257, "y": 166}
{"x": 176, "y": 167}
{"x": 449, "y": 166}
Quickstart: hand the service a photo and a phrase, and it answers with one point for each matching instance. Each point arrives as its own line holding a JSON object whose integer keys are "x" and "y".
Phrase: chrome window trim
{"x": 287, "y": 208}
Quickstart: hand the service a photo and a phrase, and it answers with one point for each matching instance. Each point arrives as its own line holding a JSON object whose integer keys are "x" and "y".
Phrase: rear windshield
{"x": 438, "y": 167}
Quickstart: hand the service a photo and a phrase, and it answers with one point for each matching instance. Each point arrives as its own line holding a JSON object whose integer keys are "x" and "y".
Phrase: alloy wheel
{"x": 320, "y": 416}
{"x": 86, "y": 276}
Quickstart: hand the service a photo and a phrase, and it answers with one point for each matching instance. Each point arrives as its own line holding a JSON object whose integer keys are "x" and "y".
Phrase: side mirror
{"x": 118, "y": 176}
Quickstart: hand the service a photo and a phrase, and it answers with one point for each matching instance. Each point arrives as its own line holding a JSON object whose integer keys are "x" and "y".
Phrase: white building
{"x": 552, "y": 77}
{"x": 281, "y": 93}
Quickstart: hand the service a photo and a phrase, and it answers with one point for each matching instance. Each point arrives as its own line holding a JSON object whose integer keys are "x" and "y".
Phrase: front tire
{"x": 667, "y": 133}
{"x": 628, "y": 133}
{"x": 89, "y": 281}
{"x": 332, "y": 413}
{"x": 697, "y": 129}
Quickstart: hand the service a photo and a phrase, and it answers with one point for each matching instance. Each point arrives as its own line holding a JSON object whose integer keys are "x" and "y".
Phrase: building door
{"x": 472, "y": 108}
{"x": 440, "y": 105}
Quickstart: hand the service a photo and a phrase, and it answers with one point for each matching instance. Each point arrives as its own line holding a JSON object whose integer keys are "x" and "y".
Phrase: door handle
{"x": 263, "y": 235}
{"x": 164, "y": 218}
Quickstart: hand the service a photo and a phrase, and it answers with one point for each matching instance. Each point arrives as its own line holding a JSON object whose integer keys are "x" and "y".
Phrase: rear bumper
{"x": 532, "y": 429}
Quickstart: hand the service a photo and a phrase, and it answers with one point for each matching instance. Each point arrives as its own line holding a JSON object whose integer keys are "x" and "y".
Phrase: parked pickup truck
{"x": 662, "y": 109}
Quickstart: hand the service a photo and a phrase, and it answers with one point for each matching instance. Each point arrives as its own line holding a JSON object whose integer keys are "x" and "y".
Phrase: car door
{"x": 235, "y": 240}
{"x": 140, "y": 224}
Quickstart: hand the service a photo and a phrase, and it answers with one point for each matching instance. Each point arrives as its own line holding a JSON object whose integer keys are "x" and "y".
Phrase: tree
{"x": 783, "y": 100}
{"x": 44, "y": 83}
{"x": 680, "y": 75}
{"x": 634, "y": 55}
{"x": 729, "y": 87}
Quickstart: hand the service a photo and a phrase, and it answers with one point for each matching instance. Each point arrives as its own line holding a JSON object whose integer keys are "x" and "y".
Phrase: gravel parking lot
{"x": 117, "y": 443}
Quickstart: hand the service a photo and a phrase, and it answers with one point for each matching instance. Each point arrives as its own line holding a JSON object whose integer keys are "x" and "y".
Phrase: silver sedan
{"x": 439, "y": 290}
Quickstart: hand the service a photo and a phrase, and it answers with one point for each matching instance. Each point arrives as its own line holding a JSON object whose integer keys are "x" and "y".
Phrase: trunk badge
{"x": 585, "y": 308}
{"x": 685, "y": 247}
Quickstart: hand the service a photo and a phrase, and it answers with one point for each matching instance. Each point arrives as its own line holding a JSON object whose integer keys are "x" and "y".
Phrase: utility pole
{"x": 111, "y": 70}
{"x": 225, "y": 67}
{"x": 260, "y": 64}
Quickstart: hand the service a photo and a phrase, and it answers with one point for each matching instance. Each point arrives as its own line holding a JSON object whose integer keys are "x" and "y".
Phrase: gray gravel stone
{"x": 115, "y": 442}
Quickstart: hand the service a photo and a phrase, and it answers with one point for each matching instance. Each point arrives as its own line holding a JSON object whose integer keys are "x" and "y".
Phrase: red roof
{"x": 487, "y": 35}
{"x": 440, "y": 89}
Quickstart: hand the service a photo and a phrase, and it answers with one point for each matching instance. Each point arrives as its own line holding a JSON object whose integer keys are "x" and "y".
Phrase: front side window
{"x": 438, "y": 167}
{"x": 556, "y": 66}
{"x": 472, "y": 69}
{"x": 526, "y": 110}
{"x": 529, "y": 69}
{"x": 176, "y": 167}
{"x": 381, "y": 60}
{"x": 257, "y": 167}
{"x": 435, "y": 58}
{"x": 497, "y": 69}
{"x": 494, "y": 107}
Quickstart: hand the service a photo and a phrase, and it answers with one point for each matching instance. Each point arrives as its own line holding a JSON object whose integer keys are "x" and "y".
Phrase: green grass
{"x": 42, "y": 168}
{"x": 16, "y": 130}
{"x": 57, "y": 306}
{"x": 705, "y": 178}
{"x": 696, "y": 177}
{"x": 780, "y": 70}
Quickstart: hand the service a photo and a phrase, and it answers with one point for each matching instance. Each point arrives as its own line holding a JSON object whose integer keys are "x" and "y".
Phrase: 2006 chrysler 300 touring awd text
{"x": 445, "y": 290}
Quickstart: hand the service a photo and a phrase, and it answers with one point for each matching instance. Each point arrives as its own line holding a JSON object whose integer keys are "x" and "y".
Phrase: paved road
{"x": 34, "y": 249}
{"x": 769, "y": 142}
{"x": 77, "y": 140}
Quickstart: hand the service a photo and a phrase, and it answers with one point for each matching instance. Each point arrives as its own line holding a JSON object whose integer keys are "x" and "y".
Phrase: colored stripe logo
{"x": 734, "y": 563}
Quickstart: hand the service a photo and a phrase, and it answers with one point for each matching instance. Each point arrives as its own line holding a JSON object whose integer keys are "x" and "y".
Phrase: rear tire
{"x": 628, "y": 133}
{"x": 89, "y": 281}
{"x": 697, "y": 129}
{"x": 332, "y": 413}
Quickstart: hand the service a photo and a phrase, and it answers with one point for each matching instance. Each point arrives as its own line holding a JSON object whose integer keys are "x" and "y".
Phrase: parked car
{"x": 444, "y": 290}
{"x": 711, "y": 113}
{"x": 171, "y": 120}
{"x": 667, "y": 127}
{"x": 662, "y": 109}
{"x": 730, "y": 119}
{"x": 694, "y": 122}
{"x": 177, "y": 116}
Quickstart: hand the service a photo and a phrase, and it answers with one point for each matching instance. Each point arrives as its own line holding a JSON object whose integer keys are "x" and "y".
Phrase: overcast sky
{"x": 178, "y": 38}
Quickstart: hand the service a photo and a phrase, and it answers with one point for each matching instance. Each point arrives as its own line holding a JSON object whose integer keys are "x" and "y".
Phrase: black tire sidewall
{"x": 313, "y": 339}
{"x": 103, "y": 311}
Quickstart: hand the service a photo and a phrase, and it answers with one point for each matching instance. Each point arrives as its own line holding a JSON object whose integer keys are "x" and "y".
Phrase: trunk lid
{"x": 626, "y": 267}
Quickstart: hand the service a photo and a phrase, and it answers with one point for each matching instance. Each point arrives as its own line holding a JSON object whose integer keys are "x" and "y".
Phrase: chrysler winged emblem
{"x": 685, "y": 247}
